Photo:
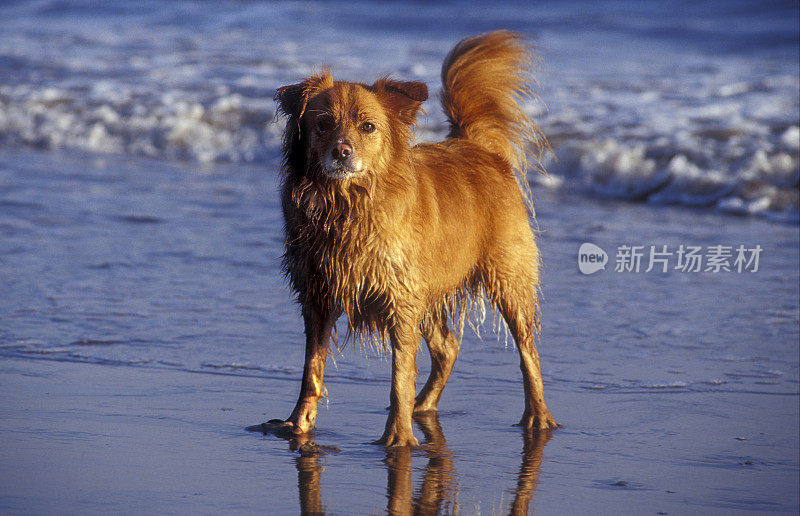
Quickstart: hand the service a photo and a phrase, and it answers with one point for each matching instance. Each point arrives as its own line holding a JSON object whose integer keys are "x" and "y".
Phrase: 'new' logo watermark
{"x": 591, "y": 258}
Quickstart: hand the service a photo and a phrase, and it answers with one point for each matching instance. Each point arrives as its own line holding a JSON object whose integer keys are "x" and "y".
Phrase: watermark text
{"x": 663, "y": 258}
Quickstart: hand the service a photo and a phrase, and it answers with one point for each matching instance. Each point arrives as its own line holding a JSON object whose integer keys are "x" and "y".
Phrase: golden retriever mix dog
{"x": 402, "y": 239}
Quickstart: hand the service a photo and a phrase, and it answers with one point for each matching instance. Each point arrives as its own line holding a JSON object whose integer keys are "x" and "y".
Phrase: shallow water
{"x": 144, "y": 322}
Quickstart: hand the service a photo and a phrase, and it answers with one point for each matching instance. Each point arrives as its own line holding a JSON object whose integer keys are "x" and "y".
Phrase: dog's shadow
{"x": 438, "y": 490}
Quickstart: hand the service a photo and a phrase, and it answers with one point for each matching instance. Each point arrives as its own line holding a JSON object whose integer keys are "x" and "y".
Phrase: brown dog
{"x": 401, "y": 238}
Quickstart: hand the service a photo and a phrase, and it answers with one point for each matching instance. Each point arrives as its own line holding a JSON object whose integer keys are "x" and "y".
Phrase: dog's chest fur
{"x": 338, "y": 246}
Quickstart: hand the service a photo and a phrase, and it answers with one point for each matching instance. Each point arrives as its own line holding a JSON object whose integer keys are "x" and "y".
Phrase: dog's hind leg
{"x": 514, "y": 290}
{"x": 519, "y": 314}
{"x": 444, "y": 348}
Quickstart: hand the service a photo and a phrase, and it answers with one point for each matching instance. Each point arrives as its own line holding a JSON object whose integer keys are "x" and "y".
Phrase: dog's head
{"x": 344, "y": 130}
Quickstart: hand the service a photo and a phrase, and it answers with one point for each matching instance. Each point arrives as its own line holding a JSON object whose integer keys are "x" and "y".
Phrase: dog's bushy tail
{"x": 485, "y": 79}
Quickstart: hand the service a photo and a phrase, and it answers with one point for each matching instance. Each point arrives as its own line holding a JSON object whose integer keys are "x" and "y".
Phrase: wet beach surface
{"x": 144, "y": 323}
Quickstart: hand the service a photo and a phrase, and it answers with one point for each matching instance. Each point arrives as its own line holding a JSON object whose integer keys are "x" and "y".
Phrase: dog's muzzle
{"x": 341, "y": 162}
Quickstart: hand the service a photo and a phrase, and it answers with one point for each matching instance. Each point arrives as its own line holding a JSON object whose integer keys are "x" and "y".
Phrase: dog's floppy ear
{"x": 292, "y": 99}
{"x": 405, "y": 98}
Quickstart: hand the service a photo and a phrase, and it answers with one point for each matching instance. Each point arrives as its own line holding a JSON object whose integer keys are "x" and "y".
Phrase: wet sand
{"x": 678, "y": 391}
{"x": 81, "y": 438}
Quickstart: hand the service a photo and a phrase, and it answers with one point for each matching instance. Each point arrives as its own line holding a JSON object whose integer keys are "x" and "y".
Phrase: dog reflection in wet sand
{"x": 402, "y": 238}
{"x": 437, "y": 492}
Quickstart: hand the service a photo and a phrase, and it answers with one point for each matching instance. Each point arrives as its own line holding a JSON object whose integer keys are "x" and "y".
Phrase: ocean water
{"x": 687, "y": 103}
{"x": 144, "y": 319}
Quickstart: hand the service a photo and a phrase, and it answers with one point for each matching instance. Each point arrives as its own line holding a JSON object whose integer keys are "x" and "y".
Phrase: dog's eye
{"x": 367, "y": 127}
{"x": 324, "y": 124}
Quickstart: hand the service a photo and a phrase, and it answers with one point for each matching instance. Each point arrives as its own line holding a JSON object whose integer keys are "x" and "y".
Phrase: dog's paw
{"x": 542, "y": 422}
{"x": 277, "y": 427}
{"x": 425, "y": 407}
{"x": 397, "y": 439}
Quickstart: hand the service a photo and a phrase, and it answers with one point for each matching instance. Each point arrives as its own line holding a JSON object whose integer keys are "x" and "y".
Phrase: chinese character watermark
{"x": 629, "y": 259}
{"x": 663, "y": 258}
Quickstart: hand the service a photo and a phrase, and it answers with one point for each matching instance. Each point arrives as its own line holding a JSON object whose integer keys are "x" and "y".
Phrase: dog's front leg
{"x": 318, "y": 325}
{"x": 405, "y": 341}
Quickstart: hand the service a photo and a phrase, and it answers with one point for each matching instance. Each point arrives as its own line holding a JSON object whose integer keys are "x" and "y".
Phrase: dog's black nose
{"x": 341, "y": 150}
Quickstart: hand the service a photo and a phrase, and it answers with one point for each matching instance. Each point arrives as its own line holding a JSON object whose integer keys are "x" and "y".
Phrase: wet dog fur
{"x": 401, "y": 238}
